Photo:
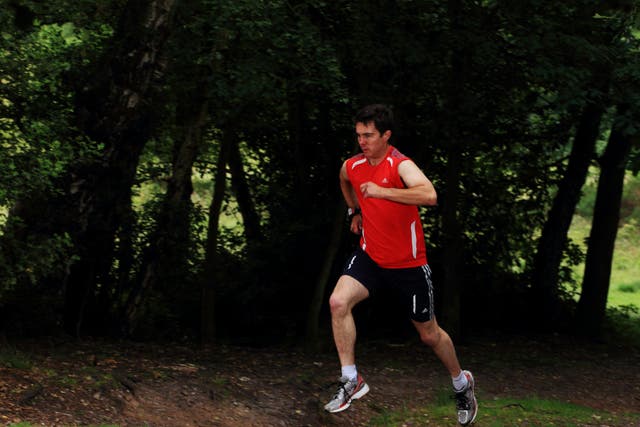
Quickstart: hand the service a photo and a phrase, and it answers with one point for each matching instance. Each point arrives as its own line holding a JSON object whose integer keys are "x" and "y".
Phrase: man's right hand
{"x": 356, "y": 224}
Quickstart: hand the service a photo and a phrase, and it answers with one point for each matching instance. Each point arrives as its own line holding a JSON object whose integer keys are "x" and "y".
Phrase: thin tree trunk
{"x": 168, "y": 251}
{"x": 313, "y": 317}
{"x": 124, "y": 253}
{"x": 604, "y": 228}
{"x": 250, "y": 217}
{"x": 209, "y": 276}
{"x": 451, "y": 227}
{"x": 453, "y": 246}
{"x": 554, "y": 234}
{"x": 337, "y": 230}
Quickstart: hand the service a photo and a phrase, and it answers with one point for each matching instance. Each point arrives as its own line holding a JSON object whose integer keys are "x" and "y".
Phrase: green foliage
{"x": 14, "y": 358}
{"x": 588, "y": 198}
{"x": 37, "y": 142}
{"x": 630, "y": 204}
{"x": 629, "y": 288}
{"x": 27, "y": 260}
{"x": 622, "y": 326}
{"x": 630, "y": 208}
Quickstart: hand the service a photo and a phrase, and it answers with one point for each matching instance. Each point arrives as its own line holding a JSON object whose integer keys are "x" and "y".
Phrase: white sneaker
{"x": 347, "y": 392}
{"x": 466, "y": 402}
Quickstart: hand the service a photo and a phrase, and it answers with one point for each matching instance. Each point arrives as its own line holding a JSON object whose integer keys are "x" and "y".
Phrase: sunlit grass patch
{"x": 624, "y": 288}
{"x": 504, "y": 411}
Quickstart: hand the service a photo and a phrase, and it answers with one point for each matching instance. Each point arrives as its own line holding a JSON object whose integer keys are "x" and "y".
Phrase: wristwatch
{"x": 351, "y": 212}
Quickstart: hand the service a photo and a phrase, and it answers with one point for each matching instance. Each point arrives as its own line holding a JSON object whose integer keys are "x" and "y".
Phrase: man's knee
{"x": 339, "y": 304}
{"x": 347, "y": 293}
{"x": 430, "y": 334}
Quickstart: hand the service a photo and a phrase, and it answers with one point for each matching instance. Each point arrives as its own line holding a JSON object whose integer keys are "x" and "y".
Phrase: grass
{"x": 625, "y": 278}
{"x": 623, "y": 299}
{"x": 624, "y": 288}
{"x": 502, "y": 412}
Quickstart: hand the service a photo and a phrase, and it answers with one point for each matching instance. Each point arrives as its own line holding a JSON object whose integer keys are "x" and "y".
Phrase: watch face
{"x": 350, "y": 211}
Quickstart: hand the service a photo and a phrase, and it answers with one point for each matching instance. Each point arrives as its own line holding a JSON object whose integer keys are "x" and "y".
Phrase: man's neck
{"x": 375, "y": 160}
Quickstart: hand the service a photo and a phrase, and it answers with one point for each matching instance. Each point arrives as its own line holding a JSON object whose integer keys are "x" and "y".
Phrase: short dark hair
{"x": 378, "y": 114}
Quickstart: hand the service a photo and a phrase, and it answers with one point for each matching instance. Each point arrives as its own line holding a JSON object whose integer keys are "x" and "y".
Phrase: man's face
{"x": 372, "y": 143}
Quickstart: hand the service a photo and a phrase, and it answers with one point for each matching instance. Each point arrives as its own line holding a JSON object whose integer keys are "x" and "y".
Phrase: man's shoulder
{"x": 394, "y": 153}
{"x": 395, "y": 157}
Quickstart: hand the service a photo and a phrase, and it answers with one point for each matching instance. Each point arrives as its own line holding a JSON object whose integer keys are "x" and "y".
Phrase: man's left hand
{"x": 371, "y": 189}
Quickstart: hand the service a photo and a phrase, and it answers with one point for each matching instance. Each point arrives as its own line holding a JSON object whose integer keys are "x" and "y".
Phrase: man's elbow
{"x": 431, "y": 199}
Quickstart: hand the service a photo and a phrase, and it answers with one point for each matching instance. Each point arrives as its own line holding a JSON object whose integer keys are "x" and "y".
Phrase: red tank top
{"x": 391, "y": 232}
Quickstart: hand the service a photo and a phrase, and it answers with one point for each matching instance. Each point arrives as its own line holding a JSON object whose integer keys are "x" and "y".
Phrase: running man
{"x": 383, "y": 189}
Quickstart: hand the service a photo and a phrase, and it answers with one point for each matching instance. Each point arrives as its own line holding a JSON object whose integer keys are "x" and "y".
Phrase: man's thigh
{"x": 361, "y": 268}
{"x": 350, "y": 290}
{"x": 416, "y": 291}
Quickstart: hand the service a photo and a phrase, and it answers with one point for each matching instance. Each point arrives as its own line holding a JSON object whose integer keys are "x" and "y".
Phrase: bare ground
{"x": 134, "y": 384}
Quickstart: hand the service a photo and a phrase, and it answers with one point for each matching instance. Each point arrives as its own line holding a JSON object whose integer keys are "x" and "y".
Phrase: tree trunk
{"x": 338, "y": 226}
{"x": 554, "y": 234}
{"x": 167, "y": 257}
{"x": 604, "y": 228}
{"x": 209, "y": 276}
{"x": 451, "y": 227}
{"x": 108, "y": 298}
{"x": 114, "y": 110}
{"x": 250, "y": 217}
{"x": 313, "y": 317}
{"x": 453, "y": 246}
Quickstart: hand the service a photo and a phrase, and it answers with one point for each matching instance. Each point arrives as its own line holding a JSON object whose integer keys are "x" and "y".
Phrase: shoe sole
{"x": 364, "y": 390}
{"x": 475, "y": 401}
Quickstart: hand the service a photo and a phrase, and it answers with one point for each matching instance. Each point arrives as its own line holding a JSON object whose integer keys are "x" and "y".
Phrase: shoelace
{"x": 342, "y": 391}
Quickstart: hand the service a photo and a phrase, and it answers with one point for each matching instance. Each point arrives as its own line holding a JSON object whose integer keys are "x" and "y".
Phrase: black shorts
{"x": 413, "y": 284}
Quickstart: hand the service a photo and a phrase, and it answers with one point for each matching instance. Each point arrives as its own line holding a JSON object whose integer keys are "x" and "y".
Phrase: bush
{"x": 627, "y": 288}
{"x": 622, "y": 325}
{"x": 630, "y": 209}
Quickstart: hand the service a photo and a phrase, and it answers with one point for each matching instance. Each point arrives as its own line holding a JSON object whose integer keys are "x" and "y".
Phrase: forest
{"x": 170, "y": 167}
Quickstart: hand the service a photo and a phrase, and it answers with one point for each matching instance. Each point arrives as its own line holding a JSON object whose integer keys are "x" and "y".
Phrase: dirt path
{"x": 127, "y": 384}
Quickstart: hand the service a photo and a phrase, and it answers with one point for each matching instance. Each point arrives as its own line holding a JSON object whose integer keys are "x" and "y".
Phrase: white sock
{"x": 350, "y": 372}
{"x": 460, "y": 382}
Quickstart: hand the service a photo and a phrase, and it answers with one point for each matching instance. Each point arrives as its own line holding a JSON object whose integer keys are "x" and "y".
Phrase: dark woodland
{"x": 170, "y": 167}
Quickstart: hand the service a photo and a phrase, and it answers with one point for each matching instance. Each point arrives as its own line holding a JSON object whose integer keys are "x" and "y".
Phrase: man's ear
{"x": 386, "y": 135}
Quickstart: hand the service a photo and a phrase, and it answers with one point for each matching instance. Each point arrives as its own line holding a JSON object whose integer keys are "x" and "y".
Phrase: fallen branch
{"x": 514, "y": 405}
{"x": 125, "y": 381}
{"x": 31, "y": 394}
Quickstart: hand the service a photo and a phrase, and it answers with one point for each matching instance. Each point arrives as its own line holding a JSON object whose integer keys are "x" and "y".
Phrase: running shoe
{"x": 347, "y": 392}
{"x": 466, "y": 402}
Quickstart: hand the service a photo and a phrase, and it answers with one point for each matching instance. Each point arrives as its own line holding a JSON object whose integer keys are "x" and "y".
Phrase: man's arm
{"x": 348, "y": 192}
{"x": 419, "y": 191}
